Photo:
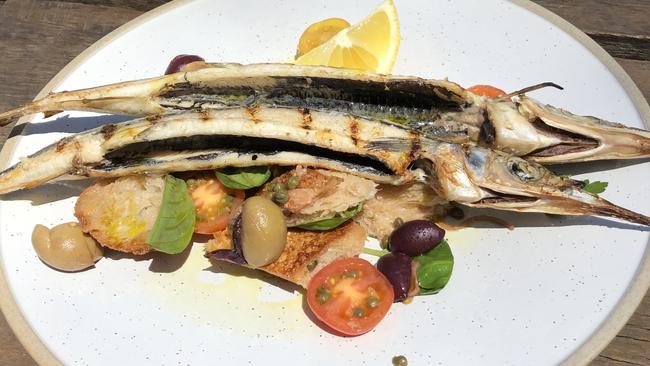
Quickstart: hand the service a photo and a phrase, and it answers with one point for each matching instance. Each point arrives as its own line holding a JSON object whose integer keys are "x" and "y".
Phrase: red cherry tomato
{"x": 213, "y": 203}
{"x": 350, "y": 296}
{"x": 486, "y": 91}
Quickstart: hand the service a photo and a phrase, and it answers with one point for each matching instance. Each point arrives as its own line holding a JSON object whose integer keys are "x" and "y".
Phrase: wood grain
{"x": 39, "y": 37}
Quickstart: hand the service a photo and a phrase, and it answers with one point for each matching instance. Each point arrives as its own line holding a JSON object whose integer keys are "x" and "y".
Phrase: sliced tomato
{"x": 213, "y": 203}
{"x": 350, "y": 296}
{"x": 486, "y": 91}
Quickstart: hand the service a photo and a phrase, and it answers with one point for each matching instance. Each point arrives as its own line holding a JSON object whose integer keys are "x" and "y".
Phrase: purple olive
{"x": 235, "y": 254}
{"x": 397, "y": 269}
{"x": 179, "y": 61}
{"x": 415, "y": 237}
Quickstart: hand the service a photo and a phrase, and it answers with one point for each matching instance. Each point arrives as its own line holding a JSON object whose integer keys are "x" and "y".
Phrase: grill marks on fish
{"x": 398, "y": 100}
{"x": 242, "y": 144}
{"x": 353, "y": 127}
{"x": 416, "y": 147}
{"x": 306, "y": 118}
{"x": 252, "y": 113}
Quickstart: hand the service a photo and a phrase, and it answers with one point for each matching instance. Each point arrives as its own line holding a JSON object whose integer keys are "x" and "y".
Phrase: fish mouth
{"x": 560, "y": 196}
{"x": 581, "y": 138}
{"x": 578, "y": 203}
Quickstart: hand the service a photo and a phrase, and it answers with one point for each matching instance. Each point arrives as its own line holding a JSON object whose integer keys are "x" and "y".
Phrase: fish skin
{"x": 435, "y": 108}
{"x": 462, "y": 173}
{"x": 69, "y": 155}
{"x": 180, "y": 161}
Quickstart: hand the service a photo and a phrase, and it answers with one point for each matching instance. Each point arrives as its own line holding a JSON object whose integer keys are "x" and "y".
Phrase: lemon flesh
{"x": 370, "y": 45}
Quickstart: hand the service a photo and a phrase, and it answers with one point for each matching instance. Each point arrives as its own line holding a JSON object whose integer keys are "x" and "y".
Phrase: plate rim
{"x": 585, "y": 353}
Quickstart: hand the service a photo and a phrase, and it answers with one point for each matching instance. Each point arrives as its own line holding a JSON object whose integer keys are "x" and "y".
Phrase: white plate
{"x": 536, "y": 295}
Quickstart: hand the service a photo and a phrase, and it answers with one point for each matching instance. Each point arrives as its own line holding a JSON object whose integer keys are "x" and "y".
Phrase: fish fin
{"x": 389, "y": 144}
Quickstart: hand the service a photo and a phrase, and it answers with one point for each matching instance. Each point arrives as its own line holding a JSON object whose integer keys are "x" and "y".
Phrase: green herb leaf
{"x": 596, "y": 187}
{"x": 435, "y": 268}
{"x": 244, "y": 178}
{"x": 175, "y": 222}
{"x": 331, "y": 223}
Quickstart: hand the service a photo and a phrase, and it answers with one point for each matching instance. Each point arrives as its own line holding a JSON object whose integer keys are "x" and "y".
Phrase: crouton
{"x": 306, "y": 252}
{"x": 121, "y": 213}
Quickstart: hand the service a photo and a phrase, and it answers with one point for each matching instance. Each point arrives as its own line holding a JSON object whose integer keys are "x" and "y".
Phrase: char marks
{"x": 108, "y": 130}
{"x": 306, "y": 118}
{"x": 252, "y": 113}
{"x": 353, "y": 125}
{"x": 416, "y": 147}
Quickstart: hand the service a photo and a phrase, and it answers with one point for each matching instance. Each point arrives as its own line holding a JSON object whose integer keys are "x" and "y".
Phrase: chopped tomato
{"x": 350, "y": 296}
{"x": 486, "y": 91}
{"x": 213, "y": 203}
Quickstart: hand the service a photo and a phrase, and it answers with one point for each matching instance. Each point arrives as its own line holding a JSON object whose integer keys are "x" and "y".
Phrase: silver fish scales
{"x": 383, "y": 151}
{"x": 437, "y": 109}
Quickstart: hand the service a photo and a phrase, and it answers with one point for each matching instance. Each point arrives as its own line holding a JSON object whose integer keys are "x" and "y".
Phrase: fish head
{"x": 481, "y": 177}
{"x": 548, "y": 135}
{"x": 584, "y": 138}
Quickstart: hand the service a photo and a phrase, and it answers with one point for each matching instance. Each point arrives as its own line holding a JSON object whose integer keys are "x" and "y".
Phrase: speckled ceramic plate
{"x": 553, "y": 290}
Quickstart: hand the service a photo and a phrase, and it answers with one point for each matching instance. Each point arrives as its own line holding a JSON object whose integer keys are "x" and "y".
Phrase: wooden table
{"x": 38, "y": 38}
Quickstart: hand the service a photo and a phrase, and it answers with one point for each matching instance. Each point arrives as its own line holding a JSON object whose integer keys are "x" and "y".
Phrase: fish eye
{"x": 524, "y": 170}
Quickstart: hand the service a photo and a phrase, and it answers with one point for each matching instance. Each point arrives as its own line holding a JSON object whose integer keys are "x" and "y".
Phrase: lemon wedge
{"x": 370, "y": 45}
{"x": 319, "y": 33}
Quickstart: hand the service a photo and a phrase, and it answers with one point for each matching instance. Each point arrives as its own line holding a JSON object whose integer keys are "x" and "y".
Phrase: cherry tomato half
{"x": 350, "y": 296}
{"x": 213, "y": 203}
{"x": 486, "y": 91}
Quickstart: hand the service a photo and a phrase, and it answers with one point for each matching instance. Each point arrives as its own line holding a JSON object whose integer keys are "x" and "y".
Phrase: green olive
{"x": 264, "y": 231}
{"x": 65, "y": 247}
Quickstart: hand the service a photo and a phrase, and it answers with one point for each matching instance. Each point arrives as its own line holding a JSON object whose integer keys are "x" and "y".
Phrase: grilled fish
{"x": 379, "y": 150}
{"x": 436, "y": 109}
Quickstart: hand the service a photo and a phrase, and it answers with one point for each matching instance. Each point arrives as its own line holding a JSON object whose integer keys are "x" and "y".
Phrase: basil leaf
{"x": 331, "y": 223}
{"x": 435, "y": 268}
{"x": 174, "y": 225}
{"x": 594, "y": 187}
{"x": 244, "y": 178}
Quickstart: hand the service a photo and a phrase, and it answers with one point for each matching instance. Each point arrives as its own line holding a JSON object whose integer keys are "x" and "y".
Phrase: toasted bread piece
{"x": 307, "y": 252}
{"x": 120, "y": 213}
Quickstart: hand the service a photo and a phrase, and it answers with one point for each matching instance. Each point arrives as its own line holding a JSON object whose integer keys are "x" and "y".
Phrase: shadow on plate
{"x": 219, "y": 266}
{"x": 594, "y": 166}
{"x": 49, "y": 192}
{"x": 160, "y": 262}
{"x": 67, "y": 124}
{"x": 529, "y": 219}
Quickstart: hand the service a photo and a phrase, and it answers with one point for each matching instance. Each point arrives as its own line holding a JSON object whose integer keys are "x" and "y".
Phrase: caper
{"x": 281, "y": 197}
{"x": 384, "y": 242}
{"x": 264, "y": 231}
{"x": 400, "y": 361}
{"x": 398, "y": 222}
{"x": 323, "y": 295}
{"x": 351, "y": 273}
{"x": 372, "y": 302}
{"x": 293, "y": 182}
{"x": 358, "y": 312}
{"x": 277, "y": 187}
{"x": 311, "y": 266}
